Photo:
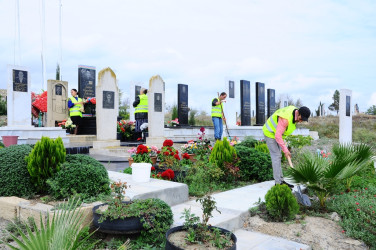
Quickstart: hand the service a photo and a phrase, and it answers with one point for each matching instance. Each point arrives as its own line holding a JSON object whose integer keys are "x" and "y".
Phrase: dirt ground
{"x": 317, "y": 232}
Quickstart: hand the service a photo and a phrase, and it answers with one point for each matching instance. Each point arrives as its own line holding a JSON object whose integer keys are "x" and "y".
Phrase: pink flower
{"x": 357, "y": 209}
{"x": 357, "y": 203}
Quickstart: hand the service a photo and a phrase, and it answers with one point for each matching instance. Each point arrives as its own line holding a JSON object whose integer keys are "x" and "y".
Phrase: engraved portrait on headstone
{"x": 157, "y": 102}
{"x": 231, "y": 88}
{"x": 58, "y": 89}
{"x": 86, "y": 82}
{"x": 108, "y": 99}
{"x": 19, "y": 80}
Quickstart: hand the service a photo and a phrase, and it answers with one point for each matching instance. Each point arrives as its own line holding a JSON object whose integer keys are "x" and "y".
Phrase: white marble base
{"x": 30, "y": 134}
{"x": 105, "y": 144}
{"x": 155, "y": 141}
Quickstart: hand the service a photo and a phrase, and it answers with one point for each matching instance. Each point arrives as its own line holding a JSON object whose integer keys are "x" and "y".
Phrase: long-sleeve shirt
{"x": 70, "y": 103}
{"x": 281, "y": 128}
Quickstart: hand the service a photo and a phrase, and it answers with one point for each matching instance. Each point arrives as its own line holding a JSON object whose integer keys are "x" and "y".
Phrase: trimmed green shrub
{"x": 14, "y": 177}
{"x": 222, "y": 152}
{"x": 248, "y": 142}
{"x": 45, "y": 160}
{"x": 80, "y": 174}
{"x": 281, "y": 203}
{"x": 254, "y": 165}
{"x": 262, "y": 147}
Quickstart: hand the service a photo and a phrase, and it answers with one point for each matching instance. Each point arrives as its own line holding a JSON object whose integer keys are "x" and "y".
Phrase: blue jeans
{"x": 218, "y": 128}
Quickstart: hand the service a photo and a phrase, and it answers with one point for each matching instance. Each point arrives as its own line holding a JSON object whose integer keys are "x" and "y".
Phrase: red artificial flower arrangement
{"x": 142, "y": 154}
{"x": 168, "y": 143}
{"x": 39, "y": 103}
{"x": 168, "y": 174}
{"x": 185, "y": 156}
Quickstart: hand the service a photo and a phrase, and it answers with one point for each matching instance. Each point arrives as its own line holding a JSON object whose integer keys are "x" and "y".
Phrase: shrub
{"x": 15, "y": 180}
{"x": 281, "y": 203}
{"x": 248, "y": 142}
{"x": 298, "y": 141}
{"x": 80, "y": 174}
{"x": 357, "y": 210}
{"x": 262, "y": 147}
{"x": 254, "y": 164}
{"x": 222, "y": 152}
{"x": 45, "y": 160}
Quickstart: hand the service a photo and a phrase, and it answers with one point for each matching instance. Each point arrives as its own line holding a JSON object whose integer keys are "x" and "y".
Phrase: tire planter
{"x": 171, "y": 246}
{"x": 129, "y": 225}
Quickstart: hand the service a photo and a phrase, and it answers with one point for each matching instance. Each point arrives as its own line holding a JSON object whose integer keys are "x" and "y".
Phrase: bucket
{"x": 9, "y": 140}
{"x": 141, "y": 172}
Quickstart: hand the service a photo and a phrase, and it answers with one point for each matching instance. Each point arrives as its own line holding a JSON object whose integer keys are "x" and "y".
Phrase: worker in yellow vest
{"x": 217, "y": 115}
{"x": 74, "y": 104}
{"x": 141, "y": 111}
{"x": 281, "y": 124}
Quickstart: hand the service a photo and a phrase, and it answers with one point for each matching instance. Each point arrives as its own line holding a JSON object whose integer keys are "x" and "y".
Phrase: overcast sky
{"x": 306, "y": 49}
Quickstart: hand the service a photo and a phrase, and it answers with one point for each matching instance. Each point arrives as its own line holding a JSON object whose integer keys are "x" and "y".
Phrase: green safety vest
{"x": 142, "y": 107}
{"x": 216, "y": 111}
{"x": 75, "y": 110}
{"x": 270, "y": 126}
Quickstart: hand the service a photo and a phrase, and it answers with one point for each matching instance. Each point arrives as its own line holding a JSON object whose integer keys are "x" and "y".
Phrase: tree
{"x": 335, "y": 105}
{"x": 290, "y": 102}
{"x": 371, "y": 110}
{"x": 123, "y": 106}
{"x": 192, "y": 120}
{"x": 58, "y": 72}
{"x": 318, "y": 109}
{"x": 174, "y": 114}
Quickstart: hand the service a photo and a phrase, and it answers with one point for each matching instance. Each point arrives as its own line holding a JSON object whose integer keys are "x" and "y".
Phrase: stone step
{"x": 111, "y": 151}
{"x": 81, "y": 138}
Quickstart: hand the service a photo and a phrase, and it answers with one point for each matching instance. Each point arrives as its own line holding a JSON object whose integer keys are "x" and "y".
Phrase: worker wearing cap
{"x": 281, "y": 124}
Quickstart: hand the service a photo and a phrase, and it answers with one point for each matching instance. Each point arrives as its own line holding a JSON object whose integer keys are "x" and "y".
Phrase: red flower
{"x": 357, "y": 203}
{"x": 202, "y": 129}
{"x": 158, "y": 152}
{"x": 177, "y": 157}
{"x": 152, "y": 168}
{"x": 168, "y": 174}
{"x": 168, "y": 143}
{"x": 177, "y": 151}
{"x": 365, "y": 188}
{"x": 166, "y": 153}
{"x": 171, "y": 153}
{"x": 357, "y": 209}
{"x": 185, "y": 156}
{"x": 343, "y": 231}
{"x": 169, "y": 149}
{"x": 139, "y": 139}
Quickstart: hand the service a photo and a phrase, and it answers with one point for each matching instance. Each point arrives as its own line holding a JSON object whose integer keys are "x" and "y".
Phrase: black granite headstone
{"x": 348, "y": 105}
{"x": 271, "y": 101}
{"x": 86, "y": 81}
{"x": 231, "y": 89}
{"x": 157, "y": 102}
{"x": 183, "y": 104}
{"x": 58, "y": 89}
{"x": 245, "y": 103}
{"x": 20, "y": 80}
{"x": 108, "y": 99}
{"x": 137, "y": 90}
{"x": 260, "y": 104}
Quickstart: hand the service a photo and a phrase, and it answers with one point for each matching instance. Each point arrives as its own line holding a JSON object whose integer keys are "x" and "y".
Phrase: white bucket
{"x": 141, "y": 172}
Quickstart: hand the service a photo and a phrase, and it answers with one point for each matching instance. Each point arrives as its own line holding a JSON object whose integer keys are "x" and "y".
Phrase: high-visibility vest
{"x": 75, "y": 110}
{"x": 216, "y": 111}
{"x": 270, "y": 126}
{"x": 142, "y": 107}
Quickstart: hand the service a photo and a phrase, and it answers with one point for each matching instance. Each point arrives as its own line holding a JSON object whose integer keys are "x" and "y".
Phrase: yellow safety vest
{"x": 271, "y": 124}
{"x": 142, "y": 107}
{"x": 216, "y": 111}
{"x": 75, "y": 110}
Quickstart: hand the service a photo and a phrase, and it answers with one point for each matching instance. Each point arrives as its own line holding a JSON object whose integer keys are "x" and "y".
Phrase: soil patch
{"x": 317, "y": 232}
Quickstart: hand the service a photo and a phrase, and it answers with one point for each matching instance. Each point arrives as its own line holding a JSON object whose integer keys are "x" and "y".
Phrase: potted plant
{"x": 174, "y": 123}
{"x": 141, "y": 165}
{"x": 126, "y": 129}
{"x": 190, "y": 148}
{"x": 69, "y": 126}
{"x": 199, "y": 234}
{"x": 152, "y": 217}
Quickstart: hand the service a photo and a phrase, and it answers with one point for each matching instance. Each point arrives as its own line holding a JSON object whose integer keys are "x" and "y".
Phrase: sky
{"x": 304, "y": 48}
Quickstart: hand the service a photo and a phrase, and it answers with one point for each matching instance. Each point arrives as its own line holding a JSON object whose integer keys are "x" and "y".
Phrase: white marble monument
{"x": 156, "y": 103}
{"x": 345, "y": 116}
{"x": 232, "y": 102}
{"x": 284, "y": 101}
{"x": 57, "y": 99}
{"x": 107, "y": 109}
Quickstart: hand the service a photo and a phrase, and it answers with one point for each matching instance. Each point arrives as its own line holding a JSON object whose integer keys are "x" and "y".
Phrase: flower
{"x": 126, "y": 128}
{"x": 177, "y": 157}
{"x": 357, "y": 209}
{"x": 168, "y": 174}
{"x": 185, "y": 156}
{"x": 174, "y": 123}
{"x": 168, "y": 143}
{"x": 152, "y": 168}
{"x": 142, "y": 154}
{"x": 202, "y": 129}
{"x": 357, "y": 203}
{"x": 144, "y": 126}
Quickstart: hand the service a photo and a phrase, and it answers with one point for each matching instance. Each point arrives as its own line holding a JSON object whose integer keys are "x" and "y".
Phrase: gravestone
{"x": 232, "y": 103}
{"x": 134, "y": 91}
{"x": 183, "y": 104}
{"x": 345, "y": 116}
{"x": 107, "y": 109}
{"x": 271, "y": 102}
{"x": 57, "y": 101}
{"x": 284, "y": 101}
{"x": 18, "y": 97}
{"x": 245, "y": 103}
{"x": 156, "y": 97}
{"x": 86, "y": 81}
{"x": 260, "y": 104}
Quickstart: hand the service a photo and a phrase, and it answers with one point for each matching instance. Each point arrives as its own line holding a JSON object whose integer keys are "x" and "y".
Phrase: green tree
{"x": 335, "y": 105}
{"x": 58, "y": 72}
{"x": 192, "y": 115}
{"x": 319, "y": 108}
{"x": 371, "y": 110}
{"x": 174, "y": 114}
{"x": 3, "y": 105}
{"x": 123, "y": 107}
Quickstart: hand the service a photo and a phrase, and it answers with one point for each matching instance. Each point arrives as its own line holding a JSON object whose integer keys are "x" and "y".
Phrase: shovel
{"x": 302, "y": 198}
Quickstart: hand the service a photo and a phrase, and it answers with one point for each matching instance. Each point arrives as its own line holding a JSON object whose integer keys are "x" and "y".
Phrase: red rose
{"x": 177, "y": 157}
{"x": 177, "y": 151}
{"x": 202, "y": 129}
{"x": 152, "y": 168}
{"x": 185, "y": 156}
{"x": 171, "y": 153}
{"x": 168, "y": 143}
{"x": 166, "y": 153}
{"x": 158, "y": 152}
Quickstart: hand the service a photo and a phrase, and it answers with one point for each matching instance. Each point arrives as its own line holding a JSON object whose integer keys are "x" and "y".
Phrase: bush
{"x": 222, "y": 152}
{"x": 298, "y": 141}
{"x": 80, "y": 174}
{"x": 15, "y": 180}
{"x": 3, "y": 106}
{"x": 248, "y": 142}
{"x": 357, "y": 210}
{"x": 45, "y": 160}
{"x": 281, "y": 203}
{"x": 254, "y": 165}
{"x": 262, "y": 147}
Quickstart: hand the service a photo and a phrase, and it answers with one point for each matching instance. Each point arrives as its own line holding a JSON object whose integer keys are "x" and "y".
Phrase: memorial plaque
{"x": 231, "y": 89}
{"x": 245, "y": 103}
{"x": 183, "y": 104}
{"x": 86, "y": 81}
{"x": 58, "y": 89}
{"x": 260, "y": 103}
{"x": 157, "y": 102}
{"x": 137, "y": 90}
{"x": 19, "y": 80}
{"x": 271, "y": 102}
{"x": 347, "y": 105}
{"x": 108, "y": 99}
